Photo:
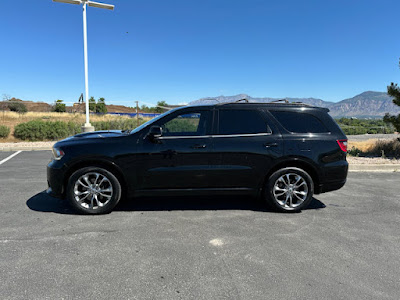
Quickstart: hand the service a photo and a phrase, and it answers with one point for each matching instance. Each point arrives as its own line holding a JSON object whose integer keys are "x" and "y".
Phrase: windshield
{"x": 137, "y": 129}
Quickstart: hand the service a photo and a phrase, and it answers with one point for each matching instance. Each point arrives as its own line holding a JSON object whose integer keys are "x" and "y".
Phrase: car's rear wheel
{"x": 289, "y": 189}
{"x": 93, "y": 190}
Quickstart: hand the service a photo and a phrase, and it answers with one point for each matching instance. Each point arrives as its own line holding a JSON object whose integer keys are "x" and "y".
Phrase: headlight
{"x": 57, "y": 153}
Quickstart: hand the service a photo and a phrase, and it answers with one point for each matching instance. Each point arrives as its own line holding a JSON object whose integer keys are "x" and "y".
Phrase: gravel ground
{"x": 372, "y": 160}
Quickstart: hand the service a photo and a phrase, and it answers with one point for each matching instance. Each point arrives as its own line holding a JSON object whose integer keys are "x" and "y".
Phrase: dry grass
{"x": 11, "y": 119}
{"x": 375, "y": 148}
{"x": 364, "y": 146}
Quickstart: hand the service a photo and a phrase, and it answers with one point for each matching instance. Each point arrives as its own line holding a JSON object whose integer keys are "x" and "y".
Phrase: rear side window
{"x": 299, "y": 122}
{"x": 241, "y": 122}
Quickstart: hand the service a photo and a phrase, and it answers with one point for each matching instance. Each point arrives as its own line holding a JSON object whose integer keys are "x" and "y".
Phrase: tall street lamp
{"x": 87, "y": 127}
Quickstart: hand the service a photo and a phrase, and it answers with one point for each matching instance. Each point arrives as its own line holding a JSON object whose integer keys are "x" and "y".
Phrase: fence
{"x": 133, "y": 115}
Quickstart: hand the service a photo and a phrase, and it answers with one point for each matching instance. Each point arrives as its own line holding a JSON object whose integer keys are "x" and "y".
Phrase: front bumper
{"x": 55, "y": 180}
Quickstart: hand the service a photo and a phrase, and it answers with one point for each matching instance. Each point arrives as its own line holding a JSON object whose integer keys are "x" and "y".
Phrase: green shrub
{"x": 354, "y": 151}
{"x": 38, "y": 130}
{"x": 4, "y": 131}
{"x": 122, "y": 124}
{"x": 17, "y": 107}
{"x": 352, "y": 126}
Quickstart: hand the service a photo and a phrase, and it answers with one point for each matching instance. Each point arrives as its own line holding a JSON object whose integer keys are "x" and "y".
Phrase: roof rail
{"x": 245, "y": 100}
{"x": 280, "y": 100}
{"x": 210, "y": 99}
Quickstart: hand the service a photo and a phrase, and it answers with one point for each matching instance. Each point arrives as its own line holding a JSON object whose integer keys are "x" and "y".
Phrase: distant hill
{"x": 77, "y": 107}
{"x": 221, "y": 99}
{"x": 365, "y": 105}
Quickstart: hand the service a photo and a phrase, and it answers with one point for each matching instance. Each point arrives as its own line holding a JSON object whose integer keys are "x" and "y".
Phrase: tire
{"x": 289, "y": 190}
{"x": 93, "y": 191}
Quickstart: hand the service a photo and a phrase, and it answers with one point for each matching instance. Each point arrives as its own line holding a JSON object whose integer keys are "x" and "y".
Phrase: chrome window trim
{"x": 184, "y": 137}
{"x": 214, "y": 136}
{"x": 242, "y": 135}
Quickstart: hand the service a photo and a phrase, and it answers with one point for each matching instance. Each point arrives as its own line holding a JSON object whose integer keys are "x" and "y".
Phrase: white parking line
{"x": 11, "y": 156}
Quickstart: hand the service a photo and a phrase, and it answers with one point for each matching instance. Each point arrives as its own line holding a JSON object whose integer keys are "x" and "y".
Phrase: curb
{"x": 8, "y": 149}
{"x": 378, "y": 168}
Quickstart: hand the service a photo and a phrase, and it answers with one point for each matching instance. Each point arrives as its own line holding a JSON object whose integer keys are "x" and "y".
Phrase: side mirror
{"x": 154, "y": 133}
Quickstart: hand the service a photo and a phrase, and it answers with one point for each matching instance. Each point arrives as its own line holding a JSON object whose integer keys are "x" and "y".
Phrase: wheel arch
{"x": 104, "y": 164}
{"x": 300, "y": 163}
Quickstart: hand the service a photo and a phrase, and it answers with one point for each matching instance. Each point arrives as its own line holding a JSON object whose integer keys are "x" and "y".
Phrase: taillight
{"x": 342, "y": 145}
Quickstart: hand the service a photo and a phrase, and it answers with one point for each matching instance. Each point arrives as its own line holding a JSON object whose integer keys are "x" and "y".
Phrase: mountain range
{"x": 365, "y": 105}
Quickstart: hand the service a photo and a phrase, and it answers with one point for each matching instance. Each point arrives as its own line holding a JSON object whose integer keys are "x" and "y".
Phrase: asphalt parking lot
{"x": 345, "y": 246}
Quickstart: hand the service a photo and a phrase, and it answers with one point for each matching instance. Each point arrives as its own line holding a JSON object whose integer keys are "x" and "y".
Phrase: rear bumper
{"x": 331, "y": 186}
{"x": 335, "y": 176}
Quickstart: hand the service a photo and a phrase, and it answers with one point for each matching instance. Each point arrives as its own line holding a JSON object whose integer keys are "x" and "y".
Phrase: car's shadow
{"x": 45, "y": 203}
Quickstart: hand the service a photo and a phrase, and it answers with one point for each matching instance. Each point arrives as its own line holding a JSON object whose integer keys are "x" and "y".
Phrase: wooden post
{"x": 137, "y": 113}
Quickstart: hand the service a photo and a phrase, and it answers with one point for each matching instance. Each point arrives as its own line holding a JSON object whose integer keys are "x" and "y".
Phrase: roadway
{"x": 345, "y": 246}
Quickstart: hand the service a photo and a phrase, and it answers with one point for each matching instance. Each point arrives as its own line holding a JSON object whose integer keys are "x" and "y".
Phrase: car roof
{"x": 280, "y": 105}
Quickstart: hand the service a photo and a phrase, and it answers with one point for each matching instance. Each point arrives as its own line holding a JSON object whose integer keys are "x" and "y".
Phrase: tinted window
{"x": 241, "y": 122}
{"x": 299, "y": 122}
{"x": 187, "y": 124}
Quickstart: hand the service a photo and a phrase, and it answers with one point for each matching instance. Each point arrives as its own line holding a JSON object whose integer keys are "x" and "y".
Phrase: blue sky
{"x": 182, "y": 50}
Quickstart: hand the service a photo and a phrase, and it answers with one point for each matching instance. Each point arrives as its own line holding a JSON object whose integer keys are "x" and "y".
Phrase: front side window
{"x": 188, "y": 124}
{"x": 241, "y": 122}
{"x": 299, "y": 122}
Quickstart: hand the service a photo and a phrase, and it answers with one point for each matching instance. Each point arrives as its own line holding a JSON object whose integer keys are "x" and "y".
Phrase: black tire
{"x": 101, "y": 198}
{"x": 294, "y": 199}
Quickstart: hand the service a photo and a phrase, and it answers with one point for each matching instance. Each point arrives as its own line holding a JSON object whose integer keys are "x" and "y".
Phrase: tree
{"x": 160, "y": 104}
{"x": 3, "y": 105}
{"x": 59, "y": 106}
{"x": 92, "y": 104}
{"x": 394, "y": 91}
{"x": 101, "y": 106}
{"x": 144, "y": 108}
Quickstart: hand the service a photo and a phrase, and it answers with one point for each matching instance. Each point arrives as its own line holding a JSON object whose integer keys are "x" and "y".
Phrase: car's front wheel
{"x": 289, "y": 189}
{"x": 93, "y": 190}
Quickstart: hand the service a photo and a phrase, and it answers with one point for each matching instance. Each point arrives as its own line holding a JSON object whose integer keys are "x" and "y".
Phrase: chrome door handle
{"x": 269, "y": 145}
{"x": 199, "y": 146}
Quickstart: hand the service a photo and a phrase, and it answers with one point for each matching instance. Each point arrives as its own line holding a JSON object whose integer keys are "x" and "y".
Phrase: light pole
{"x": 87, "y": 127}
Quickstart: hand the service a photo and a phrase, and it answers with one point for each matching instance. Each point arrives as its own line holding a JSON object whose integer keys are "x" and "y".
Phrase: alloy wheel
{"x": 93, "y": 190}
{"x": 290, "y": 191}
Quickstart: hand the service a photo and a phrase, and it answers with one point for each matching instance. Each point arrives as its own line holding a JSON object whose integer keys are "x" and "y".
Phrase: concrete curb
{"x": 379, "y": 168}
{"x": 8, "y": 149}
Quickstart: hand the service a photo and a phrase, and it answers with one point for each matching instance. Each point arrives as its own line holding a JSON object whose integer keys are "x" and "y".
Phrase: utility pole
{"x": 137, "y": 113}
{"x": 87, "y": 127}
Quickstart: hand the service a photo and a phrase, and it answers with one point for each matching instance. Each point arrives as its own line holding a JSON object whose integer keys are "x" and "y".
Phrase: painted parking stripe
{"x": 11, "y": 156}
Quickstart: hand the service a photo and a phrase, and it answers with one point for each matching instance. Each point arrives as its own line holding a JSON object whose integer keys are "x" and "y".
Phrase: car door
{"x": 178, "y": 159}
{"x": 246, "y": 144}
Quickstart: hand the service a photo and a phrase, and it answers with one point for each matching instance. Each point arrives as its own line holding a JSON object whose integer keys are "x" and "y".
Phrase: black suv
{"x": 281, "y": 152}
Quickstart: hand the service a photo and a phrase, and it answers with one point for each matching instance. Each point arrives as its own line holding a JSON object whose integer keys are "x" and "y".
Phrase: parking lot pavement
{"x": 346, "y": 246}
{"x": 4, "y": 155}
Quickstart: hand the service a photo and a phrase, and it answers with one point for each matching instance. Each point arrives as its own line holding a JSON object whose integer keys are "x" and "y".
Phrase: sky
{"x": 183, "y": 50}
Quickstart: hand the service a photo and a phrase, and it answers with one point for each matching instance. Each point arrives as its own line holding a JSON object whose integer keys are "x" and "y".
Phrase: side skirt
{"x": 197, "y": 192}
